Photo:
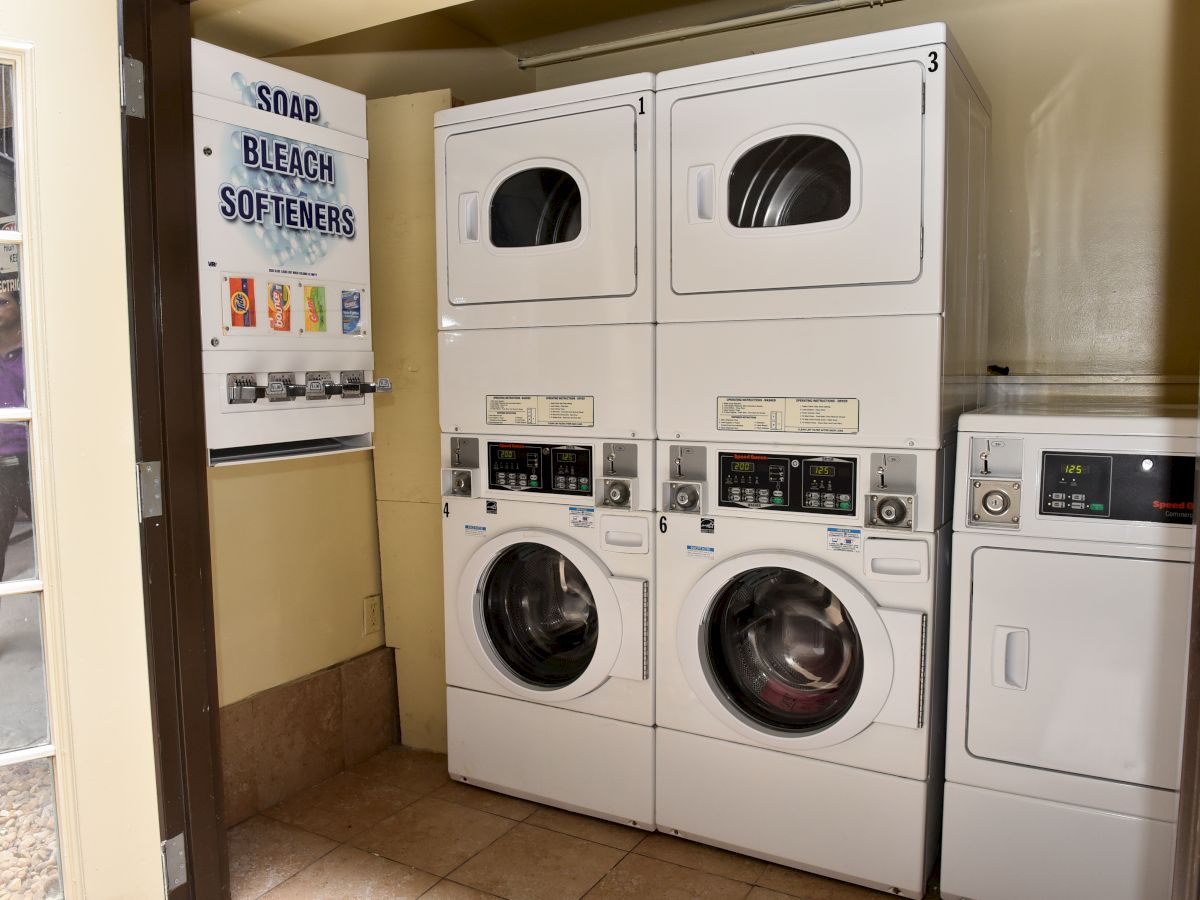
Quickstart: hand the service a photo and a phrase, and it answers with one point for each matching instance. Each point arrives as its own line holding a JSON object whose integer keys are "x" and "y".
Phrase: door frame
{"x": 169, "y": 420}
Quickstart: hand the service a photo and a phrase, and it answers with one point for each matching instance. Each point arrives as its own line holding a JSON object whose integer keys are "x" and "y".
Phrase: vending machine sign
{"x": 241, "y": 302}
{"x": 314, "y": 307}
{"x": 279, "y": 306}
{"x": 351, "y": 312}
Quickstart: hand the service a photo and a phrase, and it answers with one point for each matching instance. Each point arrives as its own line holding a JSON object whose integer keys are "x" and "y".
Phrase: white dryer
{"x": 798, "y": 652}
{"x": 1068, "y": 651}
{"x": 547, "y": 548}
{"x": 545, "y": 208}
{"x": 838, "y": 190}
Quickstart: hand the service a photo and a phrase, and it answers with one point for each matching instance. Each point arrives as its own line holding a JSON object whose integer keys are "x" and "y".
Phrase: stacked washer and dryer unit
{"x": 821, "y": 303}
{"x": 546, "y": 361}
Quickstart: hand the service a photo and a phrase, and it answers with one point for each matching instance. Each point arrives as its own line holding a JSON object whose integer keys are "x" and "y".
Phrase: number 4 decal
{"x": 446, "y": 510}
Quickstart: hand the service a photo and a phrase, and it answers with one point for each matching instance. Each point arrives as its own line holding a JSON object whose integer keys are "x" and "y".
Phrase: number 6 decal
{"x": 662, "y": 524}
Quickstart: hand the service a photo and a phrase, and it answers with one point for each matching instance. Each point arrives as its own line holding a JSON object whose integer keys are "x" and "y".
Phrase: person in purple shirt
{"x": 14, "y": 439}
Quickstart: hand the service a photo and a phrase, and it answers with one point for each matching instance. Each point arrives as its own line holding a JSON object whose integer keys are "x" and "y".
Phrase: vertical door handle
{"x": 700, "y": 193}
{"x": 468, "y": 218}
{"x": 1010, "y": 657}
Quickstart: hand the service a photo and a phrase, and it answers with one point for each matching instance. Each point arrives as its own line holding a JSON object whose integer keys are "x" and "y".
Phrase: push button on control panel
{"x": 790, "y": 483}
{"x": 540, "y": 468}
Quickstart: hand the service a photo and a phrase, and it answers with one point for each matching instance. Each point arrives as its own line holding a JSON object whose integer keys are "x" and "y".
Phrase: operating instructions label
{"x": 811, "y": 415}
{"x": 541, "y": 410}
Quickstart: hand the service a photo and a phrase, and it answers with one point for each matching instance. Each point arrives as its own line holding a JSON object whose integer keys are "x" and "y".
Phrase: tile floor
{"x": 397, "y": 827}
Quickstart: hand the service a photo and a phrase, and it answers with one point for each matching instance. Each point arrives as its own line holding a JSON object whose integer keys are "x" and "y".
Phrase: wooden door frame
{"x": 169, "y": 419}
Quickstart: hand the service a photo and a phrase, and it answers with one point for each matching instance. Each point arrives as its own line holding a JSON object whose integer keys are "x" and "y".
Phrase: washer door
{"x": 543, "y": 617}
{"x": 785, "y": 650}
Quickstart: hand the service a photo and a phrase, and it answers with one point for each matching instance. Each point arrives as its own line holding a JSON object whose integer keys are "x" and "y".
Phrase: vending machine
{"x": 285, "y": 293}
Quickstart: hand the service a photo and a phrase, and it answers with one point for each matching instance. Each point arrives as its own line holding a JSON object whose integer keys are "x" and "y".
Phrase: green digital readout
{"x": 741, "y": 467}
{"x": 1075, "y": 469}
{"x": 822, "y": 471}
{"x": 506, "y": 454}
{"x": 566, "y": 457}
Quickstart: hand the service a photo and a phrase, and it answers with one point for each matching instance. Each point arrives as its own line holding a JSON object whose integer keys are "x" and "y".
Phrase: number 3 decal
{"x": 933, "y": 61}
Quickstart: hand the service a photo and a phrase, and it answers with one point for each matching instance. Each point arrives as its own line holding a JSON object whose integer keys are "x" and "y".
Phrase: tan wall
{"x": 403, "y": 281}
{"x": 294, "y": 552}
{"x": 1082, "y": 157}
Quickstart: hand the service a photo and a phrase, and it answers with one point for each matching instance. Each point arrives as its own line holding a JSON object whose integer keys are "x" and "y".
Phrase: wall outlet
{"x": 372, "y": 614}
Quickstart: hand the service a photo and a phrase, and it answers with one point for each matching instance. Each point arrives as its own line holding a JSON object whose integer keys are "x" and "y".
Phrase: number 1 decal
{"x": 933, "y": 61}
{"x": 641, "y": 106}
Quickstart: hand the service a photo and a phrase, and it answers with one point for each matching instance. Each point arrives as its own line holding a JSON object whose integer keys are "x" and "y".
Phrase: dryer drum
{"x": 798, "y": 179}
{"x": 536, "y": 207}
{"x": 539, "y": 615}
{"x": 783, "y": 650}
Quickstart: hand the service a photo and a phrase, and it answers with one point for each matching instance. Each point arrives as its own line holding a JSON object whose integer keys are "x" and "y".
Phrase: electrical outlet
{"x": 372, "y": 614}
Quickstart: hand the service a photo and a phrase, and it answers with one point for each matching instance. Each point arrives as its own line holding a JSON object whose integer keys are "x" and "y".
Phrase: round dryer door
{"x": 540, "y": 614}
{"x": 785, "y": 650}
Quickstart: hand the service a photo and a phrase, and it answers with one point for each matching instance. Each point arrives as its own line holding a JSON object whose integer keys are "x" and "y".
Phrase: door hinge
{"x": 150, "y": 501}
{"x": 174, "y": 862}
{"x": 922, "y": 242}
{"x": 924, "y": 660}
{"x": 645, "y": 631}
{"x": 922, "y": 98}
{"x": 133, "y": 87}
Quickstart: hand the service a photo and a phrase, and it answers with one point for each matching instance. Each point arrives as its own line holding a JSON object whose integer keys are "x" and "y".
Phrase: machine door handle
{"x": 1010, "y": 657}
{"x": 700, "y": 193}
{"x": 468, "y": 218}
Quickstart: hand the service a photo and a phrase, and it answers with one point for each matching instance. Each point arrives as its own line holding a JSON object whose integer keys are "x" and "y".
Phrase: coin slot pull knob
{"x": 996, "y": 502}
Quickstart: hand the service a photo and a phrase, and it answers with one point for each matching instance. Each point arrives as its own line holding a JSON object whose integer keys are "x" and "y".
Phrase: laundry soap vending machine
{"x": 285, "y": 300}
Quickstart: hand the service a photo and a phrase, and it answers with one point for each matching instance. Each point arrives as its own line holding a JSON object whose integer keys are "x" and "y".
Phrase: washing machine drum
{"x": 783, "y": 650}
{"x": 791, "y": 180}
{"x": 536, "y": 207}
{"x": 540, "y": 615}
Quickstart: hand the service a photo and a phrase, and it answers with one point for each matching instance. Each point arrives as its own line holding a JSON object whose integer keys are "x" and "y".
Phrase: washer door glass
{"x": 798, "y": 179}
{"x": 536, "y": 207}
{"x": 540, "y": 615}
{"x": 783, "y": 650}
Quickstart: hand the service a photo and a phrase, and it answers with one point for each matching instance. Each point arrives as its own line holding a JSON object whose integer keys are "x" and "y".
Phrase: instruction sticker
{"x": 475, "y": 529}
{"x": 811, "y": 415}
{"x": 698, "y": 552}
{"x": 849, "y": 539}
{"x": 582, "y": 516}
{"x": 541, "y": 410}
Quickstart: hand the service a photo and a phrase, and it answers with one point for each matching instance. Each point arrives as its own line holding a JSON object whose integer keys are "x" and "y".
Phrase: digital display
{"x": 566, "y": 457}
{"x": 741, "y": 467}
{"x": 1074, "y": 469}
{"x": 506, "y": 454}
{"x": 822, "y": 471}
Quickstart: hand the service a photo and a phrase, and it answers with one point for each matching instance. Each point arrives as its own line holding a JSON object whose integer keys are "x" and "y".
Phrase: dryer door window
{"x": 540, "y": 615}
{"x": 534, "y": 208}
{"x": 783, "y": 650}
{"x": 798, "y": 179}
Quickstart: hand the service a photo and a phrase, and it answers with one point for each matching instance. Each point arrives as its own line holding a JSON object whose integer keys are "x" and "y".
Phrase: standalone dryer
{"x": 549, "y": 620}
{"x": 799, "y": 615}
{"x": 1068, "y": 651}
{"x": 837, "y": 190}
{"x": 544, "y": 208}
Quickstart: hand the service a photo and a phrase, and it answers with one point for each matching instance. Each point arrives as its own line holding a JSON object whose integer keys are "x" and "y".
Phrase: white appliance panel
{"x": 871, "y": 381}
{"x": 585, "y": 763}
{"x": 1076, "y": 663}
{"x": 595, "y": 148}
{"x": 999, "y": 846}
{"x": 872, "y": 115}
{"x": 835, "y": 820}
{"x": 592, "y": 381}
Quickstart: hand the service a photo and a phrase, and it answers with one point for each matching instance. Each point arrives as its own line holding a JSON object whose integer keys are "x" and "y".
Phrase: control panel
{"x": 540, "y": 468}
{"x": 808, "y": 484}
{"x": 1128, "y": 487}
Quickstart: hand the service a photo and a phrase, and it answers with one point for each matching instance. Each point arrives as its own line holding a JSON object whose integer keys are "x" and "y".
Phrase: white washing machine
{"x": 545, "y": 208}
{"x": 799, "y": 624}
{"x": 548, "y": 555}
{"x": 838, "y": 190}
{"x": 1068, "y": 651}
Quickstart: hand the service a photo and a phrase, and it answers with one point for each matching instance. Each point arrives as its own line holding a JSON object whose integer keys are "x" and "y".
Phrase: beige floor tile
{"x": 448, "y": 890}
{"x": 702, "y": 857}
{"x": 599, "y": 830}
{"x": 812, "y": 887}
{"x": 264, "y": 853}
{"x": 761, "y": 893}
{"x": 535, "y": 864}
{"x": 343, "y": 806}
{"x": 419, "y": 771}
{"x": 488, "y": 801}
{"x": 433, "y": 835}
{"x": 347, "y": 872}
{"x": 643, "y": 878}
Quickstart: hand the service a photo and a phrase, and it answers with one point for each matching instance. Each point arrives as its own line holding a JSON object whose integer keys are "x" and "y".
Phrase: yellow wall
{"x": 294, "y": 552}
{"x": 403, "y": 281}
{"x": 1080, "y": 181}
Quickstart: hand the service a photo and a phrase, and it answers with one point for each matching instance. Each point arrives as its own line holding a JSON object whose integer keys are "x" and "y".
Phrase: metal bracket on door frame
{"x": 150, "y": 495}
{"x": 133, "y": 87}
{"x": 174, "y": 862}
